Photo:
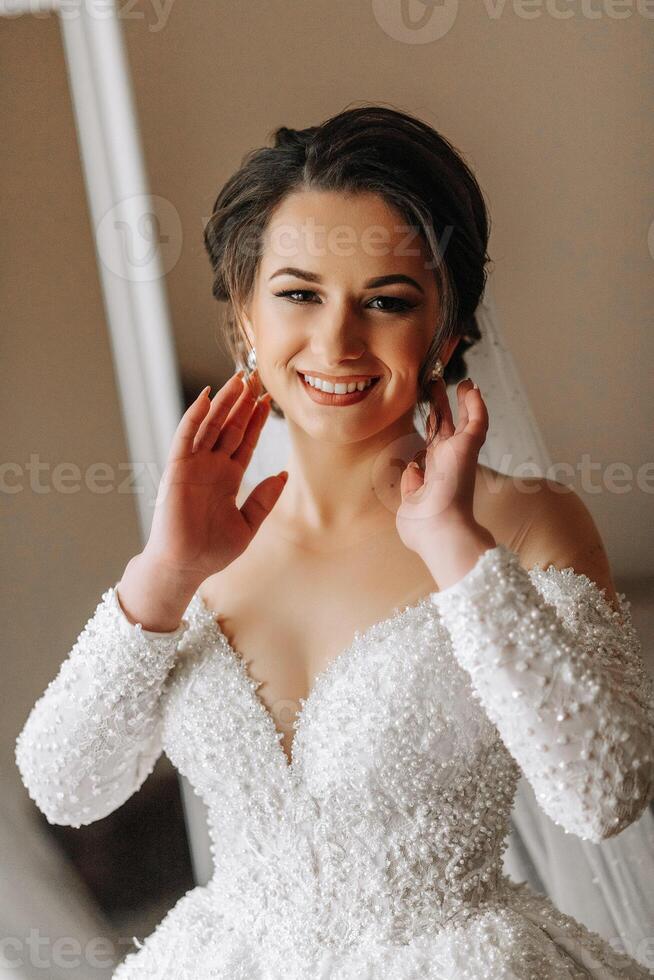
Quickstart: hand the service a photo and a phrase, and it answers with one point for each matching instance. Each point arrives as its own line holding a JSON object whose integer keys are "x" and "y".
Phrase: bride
{"x": 354, "y": 666}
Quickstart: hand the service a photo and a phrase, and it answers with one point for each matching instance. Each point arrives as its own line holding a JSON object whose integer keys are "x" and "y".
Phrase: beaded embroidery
{"x": 378, "y": 853}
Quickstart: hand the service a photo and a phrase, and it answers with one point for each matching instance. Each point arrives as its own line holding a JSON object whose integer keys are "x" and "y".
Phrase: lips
{"x": 330, "y": 398}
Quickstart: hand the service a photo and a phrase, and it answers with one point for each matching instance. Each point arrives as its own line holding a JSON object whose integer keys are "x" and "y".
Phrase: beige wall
{"x": 555, "y": 118}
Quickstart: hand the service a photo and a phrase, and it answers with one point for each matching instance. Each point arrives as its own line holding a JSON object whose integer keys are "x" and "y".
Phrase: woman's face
{"x": 345, "y": 292}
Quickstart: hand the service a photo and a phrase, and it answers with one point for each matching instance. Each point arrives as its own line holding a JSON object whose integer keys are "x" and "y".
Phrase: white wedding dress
{"x": 377, "y": 852}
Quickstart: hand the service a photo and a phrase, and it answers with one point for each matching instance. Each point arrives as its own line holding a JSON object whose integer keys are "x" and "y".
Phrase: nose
{"x": 337, "y": 340}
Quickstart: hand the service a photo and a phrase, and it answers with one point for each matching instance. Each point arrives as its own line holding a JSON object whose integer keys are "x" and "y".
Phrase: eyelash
{"x": 405, "y": 306}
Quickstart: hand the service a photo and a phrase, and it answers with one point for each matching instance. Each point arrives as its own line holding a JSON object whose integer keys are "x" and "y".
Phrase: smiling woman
{"x": 362, "y": 834}
{"x": 436, "y": 220}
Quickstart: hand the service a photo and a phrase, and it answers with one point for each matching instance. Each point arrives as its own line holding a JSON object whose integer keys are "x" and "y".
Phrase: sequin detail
{"x": 378, "y": 853}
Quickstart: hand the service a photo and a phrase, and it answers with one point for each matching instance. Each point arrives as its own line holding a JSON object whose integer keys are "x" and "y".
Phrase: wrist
{"x": 454, "y": 548}
{"x": 452, "y": 530}
{"x": 168, "y": 574}
{"x": 154, "y": 594}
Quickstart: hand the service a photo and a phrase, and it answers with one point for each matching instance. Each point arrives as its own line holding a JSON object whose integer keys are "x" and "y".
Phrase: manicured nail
{"x": 474, "y": 384}
{"x": 204, "y": 391}
{"x": 413, "y": 465}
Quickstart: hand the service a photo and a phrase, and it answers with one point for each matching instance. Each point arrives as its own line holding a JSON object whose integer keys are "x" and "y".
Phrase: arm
{"x": 558, "y": 670}
{"x": 94, "y": 735}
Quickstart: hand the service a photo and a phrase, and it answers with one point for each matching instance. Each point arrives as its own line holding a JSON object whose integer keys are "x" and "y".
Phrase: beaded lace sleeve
{"x": 94, "y": 735}
{"x": 559, "y": 672}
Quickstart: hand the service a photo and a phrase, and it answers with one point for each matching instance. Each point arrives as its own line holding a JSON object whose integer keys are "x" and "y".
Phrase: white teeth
{"x": 338, "y": 388}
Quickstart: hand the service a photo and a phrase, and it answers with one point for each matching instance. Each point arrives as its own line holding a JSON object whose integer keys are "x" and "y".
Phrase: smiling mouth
{"x": 343, "y": 386}
{"x": 360, "y": 390}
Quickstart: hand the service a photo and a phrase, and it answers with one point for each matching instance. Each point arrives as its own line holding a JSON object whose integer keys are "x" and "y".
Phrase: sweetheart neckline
{"x": 381, "y": 627}
{"x": 378, "y": 629}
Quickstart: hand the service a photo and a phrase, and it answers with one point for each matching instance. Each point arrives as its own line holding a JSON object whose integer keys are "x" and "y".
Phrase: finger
{"x": 243, "y": 454}
{"x": 441, "y": 404}
{"x": 221, "y": 404}
{"x": 461, "y": 391}
{"x": 477, "y": 424}
{"x": 187, "y": 430}
{"x": 220, "y": 411}
{"x": 255, "y": 383}
{"x": 230, "y": 434}
{"x": 434, "y": 416}
{"x": 262, "y": 500}
{"x": 182, "y": 444}
{"x": 412, "y": 479}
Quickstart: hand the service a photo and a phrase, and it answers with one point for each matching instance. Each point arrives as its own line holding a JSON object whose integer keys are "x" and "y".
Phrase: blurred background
{"x": 554, "y": 114}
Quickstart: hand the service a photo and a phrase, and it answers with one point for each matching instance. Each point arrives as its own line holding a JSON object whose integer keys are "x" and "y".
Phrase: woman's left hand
{"x": 440, "y": 498}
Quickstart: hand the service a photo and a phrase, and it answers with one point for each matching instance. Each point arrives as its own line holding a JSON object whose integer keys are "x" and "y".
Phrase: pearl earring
{"x": 437, "y": 371}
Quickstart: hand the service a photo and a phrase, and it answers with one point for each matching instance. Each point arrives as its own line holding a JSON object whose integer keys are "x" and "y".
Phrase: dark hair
{"x": 369, "y": 149}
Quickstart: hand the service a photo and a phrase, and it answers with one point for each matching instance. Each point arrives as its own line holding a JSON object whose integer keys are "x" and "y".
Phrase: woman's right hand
{"x": 197, "y": 529}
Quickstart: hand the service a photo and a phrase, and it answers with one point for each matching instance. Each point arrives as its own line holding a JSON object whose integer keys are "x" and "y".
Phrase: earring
{"x": 252, "y": 359}
{"x": 437, "y": 371}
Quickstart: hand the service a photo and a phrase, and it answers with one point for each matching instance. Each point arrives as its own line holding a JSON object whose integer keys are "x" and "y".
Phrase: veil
{"x": 606, "y": 886}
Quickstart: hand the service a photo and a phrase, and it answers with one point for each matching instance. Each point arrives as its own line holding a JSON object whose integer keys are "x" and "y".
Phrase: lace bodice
{"x": 386, "y": 831}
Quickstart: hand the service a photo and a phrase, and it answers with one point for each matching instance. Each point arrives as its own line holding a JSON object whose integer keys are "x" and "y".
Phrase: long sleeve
{"x": 94, "y": 735}
{"x": 559, "y": 672}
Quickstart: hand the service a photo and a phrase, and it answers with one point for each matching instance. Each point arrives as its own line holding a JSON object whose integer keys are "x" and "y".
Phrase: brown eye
{"x": 402, "y": 304}
{"x": 397, "y": 305}
{"x": 296, "y": 292}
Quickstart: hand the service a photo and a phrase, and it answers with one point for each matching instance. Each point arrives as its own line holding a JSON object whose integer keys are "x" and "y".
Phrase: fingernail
{"x": 204, "y": 390}
{"x": 413, "y": 465}
{"x": 474, "y": 384}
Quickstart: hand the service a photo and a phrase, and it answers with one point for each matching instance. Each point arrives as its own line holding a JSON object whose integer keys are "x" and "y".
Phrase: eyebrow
{"x": 290, "y": 270}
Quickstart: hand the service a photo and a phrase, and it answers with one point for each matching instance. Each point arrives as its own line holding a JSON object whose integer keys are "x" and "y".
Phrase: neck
{"x": 344, "y": 491}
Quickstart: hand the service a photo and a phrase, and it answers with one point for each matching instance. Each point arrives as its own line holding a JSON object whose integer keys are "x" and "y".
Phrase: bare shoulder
{"x": 547, "y": 523}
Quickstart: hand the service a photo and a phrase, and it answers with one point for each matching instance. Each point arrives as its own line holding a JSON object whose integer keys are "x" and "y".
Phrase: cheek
{"x": 280, "y": 332}
{"x": 403, "y": 354}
